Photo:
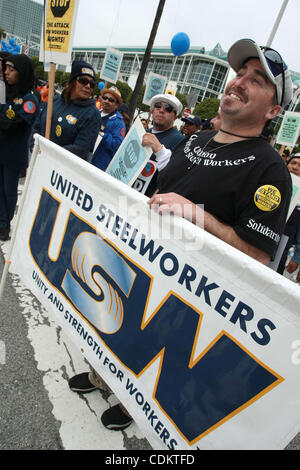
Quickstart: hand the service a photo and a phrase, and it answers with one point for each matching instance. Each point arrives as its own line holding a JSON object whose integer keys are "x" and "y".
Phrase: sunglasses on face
{"x": 86, "y": 81}
{"x": 276, "y": 65}
{"x": 167, "y": 107}
{"x": 108, "y": 98}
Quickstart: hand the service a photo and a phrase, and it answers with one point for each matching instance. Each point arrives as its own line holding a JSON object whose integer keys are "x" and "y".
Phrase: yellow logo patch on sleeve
{"x": 267, "y": 198}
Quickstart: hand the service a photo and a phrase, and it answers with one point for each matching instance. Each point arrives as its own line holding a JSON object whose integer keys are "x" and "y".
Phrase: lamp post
{"x": 271, "y": 37}
{"x": 276, "y": 24}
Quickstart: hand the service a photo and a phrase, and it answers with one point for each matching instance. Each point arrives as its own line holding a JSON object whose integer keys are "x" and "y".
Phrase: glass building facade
{"x": 22, "y": 19}
{"x": 200, "y": 72}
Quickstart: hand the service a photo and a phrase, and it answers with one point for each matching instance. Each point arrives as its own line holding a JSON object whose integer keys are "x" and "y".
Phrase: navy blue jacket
{"x": 74, "y": 126}
{"x": 114, "y": 132}
{"x": 16, "y": 120}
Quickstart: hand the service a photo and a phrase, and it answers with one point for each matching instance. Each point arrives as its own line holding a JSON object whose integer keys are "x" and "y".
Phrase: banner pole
{"x": 20, "y": 208}
{"x": 51, "y": 80}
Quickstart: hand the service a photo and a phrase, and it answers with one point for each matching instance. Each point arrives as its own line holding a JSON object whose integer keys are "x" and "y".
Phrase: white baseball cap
{"x": 272, "y": 63}
{"x": 167, "y": 98}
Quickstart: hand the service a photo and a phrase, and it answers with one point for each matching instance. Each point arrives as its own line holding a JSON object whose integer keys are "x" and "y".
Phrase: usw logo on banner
{"x": 111, "y": 292}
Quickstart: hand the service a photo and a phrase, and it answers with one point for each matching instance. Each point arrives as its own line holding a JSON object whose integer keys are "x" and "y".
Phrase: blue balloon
{"x": 101, "y": 85}
{"x": 11, "y": 46}
{"x": 180, "y": 44}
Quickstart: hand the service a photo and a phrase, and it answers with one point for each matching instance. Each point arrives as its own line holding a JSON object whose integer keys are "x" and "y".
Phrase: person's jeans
{"x": 9, "y": 178}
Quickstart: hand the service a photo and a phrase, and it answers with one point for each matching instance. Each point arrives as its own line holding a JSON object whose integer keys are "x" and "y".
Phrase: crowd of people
{"x": 224, "y": 163}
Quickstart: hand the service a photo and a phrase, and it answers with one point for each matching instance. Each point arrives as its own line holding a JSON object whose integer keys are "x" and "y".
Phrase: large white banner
{"x": 200, "y": 342}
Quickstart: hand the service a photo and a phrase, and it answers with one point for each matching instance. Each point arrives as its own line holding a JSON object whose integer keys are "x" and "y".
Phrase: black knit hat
{"x": 23, "y": 64}
{"x": 80, "y": 67}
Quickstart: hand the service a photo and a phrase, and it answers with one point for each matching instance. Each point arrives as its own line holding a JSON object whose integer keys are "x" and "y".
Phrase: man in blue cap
{"x": 192, "y": 124}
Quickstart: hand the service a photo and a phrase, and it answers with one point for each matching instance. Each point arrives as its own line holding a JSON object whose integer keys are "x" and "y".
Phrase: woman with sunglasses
{"x": 75, "y": 118}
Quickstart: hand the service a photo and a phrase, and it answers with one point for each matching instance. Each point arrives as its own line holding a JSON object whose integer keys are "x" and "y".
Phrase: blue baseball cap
{"x": 193, "y": 119}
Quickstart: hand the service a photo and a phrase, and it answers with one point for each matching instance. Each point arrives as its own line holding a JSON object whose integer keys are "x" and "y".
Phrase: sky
{"x": 129, "y": 22}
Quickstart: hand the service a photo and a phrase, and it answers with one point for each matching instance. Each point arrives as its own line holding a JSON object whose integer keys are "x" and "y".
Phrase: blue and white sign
{"x": 131, "y": 156}
{"x": 111, "y": 65}
{"x": 156, "y": 84}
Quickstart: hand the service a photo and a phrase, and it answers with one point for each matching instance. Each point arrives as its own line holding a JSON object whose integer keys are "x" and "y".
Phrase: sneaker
{"x": 4, "y": 233}
{"x": 80, "y": 383}
{"x": 115, "y": 418}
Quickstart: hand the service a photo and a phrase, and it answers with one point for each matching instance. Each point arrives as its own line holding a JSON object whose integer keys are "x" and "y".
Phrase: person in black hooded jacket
{"x": 16, "y": 120}
{"x": 3, "y": 55}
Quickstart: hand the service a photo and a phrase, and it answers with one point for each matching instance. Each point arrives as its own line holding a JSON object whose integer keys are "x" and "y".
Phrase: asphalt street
{"x": 38, "y": 411}
{"x": 26, "y": 419}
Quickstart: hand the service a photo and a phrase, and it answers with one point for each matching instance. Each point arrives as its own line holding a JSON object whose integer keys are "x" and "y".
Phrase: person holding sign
{"x": 241, "y": 180}
{"x": 75, "y": 118}
{"x": 163, "y": 137}
{"x": 16, "y": 120}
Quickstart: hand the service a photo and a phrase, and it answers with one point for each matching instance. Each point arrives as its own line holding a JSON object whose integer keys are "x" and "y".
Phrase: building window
{"x": 200, "y": 72}
{"x": 126, "y": 65}
{"x": 163, "y": 66}
{"x": 217, "y": 78}
{"x": 176, "y": 69}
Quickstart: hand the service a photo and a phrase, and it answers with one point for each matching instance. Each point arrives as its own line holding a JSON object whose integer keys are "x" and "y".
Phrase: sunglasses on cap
{"x": 167, "y": 107}
{"x": 108, "y": 98}
{"x": 276, "y": 65}
{"x": 86, "y": 81}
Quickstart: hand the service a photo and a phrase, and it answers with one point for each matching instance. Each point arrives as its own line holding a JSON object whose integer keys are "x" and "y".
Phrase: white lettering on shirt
{"x": 263, "y": 229}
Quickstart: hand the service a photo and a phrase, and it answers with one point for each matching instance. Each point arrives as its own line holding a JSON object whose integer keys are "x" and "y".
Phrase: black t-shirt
{"x": 244, "y": 184}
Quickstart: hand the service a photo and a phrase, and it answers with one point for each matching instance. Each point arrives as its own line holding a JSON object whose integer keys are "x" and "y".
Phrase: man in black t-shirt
{"x": 239, "y": 178}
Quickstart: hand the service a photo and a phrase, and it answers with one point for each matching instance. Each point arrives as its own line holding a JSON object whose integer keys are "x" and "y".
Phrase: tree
{"x": 208, "y": 108}
{"x": 61, "y": 78}
{"x": 125, "y": 91}
{"x": 182, "y": 99}
{"x": 140, "y": 105}
{"x": 2, "y": 33}
{"x": 296, "y": 149}
{"x": 39, "y": 68}
{"x": 123, "y": 88}
{"x": 146, "y": 58}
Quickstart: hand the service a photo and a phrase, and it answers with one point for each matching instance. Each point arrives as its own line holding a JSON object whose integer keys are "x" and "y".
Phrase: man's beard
{"x": 159, "y": 126}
